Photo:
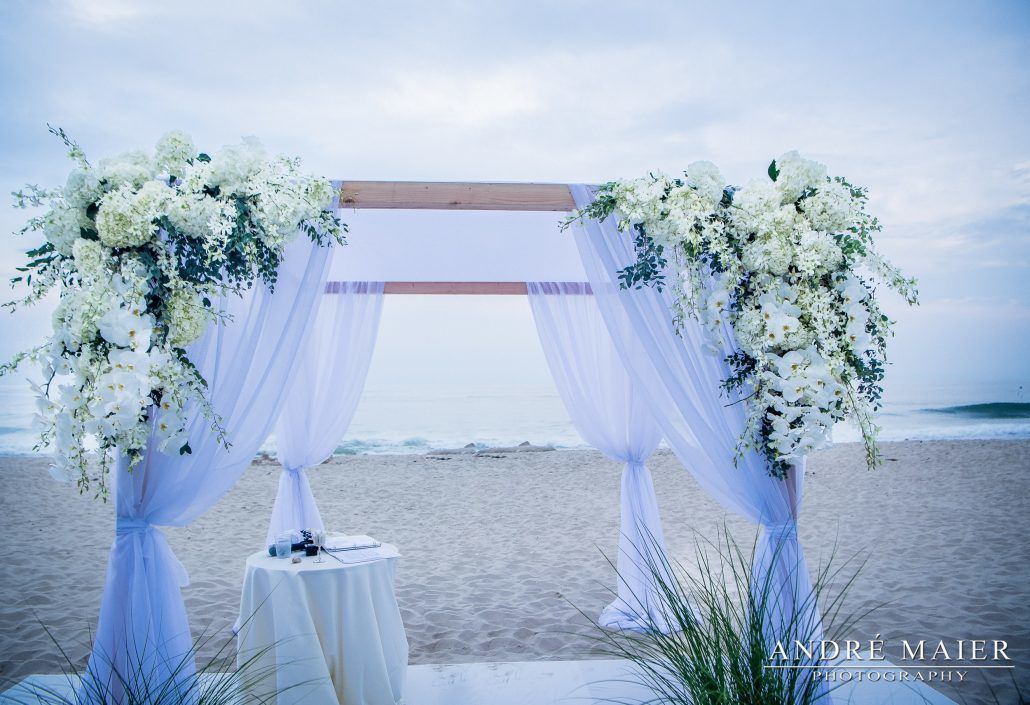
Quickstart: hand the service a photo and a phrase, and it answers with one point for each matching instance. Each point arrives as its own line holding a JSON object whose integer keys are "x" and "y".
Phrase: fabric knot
{"x": 293, "y": 470}
{"x": 129, "y": 525}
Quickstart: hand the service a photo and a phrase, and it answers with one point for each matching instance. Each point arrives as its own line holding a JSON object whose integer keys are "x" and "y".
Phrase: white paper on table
{"x": 365, "y": 555}
{"x": 340, "y": 542}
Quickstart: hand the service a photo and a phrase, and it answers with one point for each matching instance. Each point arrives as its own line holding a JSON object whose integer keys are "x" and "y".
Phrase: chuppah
{"x": 737, "y": 324}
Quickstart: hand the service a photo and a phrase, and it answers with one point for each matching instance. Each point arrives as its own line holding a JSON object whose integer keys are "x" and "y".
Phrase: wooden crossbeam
{"x": 424, "y": 195}
{"x": 457, "y": 288}
{"x": 448, "y": 288}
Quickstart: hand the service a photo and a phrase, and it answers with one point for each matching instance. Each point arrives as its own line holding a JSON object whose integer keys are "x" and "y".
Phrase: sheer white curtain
{"x": 681, "y": 384}
{"x": 143, "y": 632}
{"x": 611, "y": 416}
{"x": 331, "y": 372}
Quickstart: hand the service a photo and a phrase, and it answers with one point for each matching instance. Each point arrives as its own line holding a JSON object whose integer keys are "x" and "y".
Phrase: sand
{"x": 501, "y": 551}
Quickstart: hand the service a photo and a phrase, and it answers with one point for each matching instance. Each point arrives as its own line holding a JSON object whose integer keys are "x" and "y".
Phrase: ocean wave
{"x": 379, "y": 446}
{"x": 990, "y": 410}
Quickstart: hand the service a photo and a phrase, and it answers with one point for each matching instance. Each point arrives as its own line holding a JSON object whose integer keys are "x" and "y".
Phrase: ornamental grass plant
{"x": 709, "y": 641}
{"x": 217, "y": 680}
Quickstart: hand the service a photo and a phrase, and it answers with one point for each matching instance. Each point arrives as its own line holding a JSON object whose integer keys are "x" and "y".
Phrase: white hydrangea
{"x": 233, "y": 167}
{"x": 831, "y": 209}
{"x": 126, "y": 216}
{"x": 816, "y": 253}
{"x": 195, "y": 214}
{"x": 186, "y": 318}
{"x": 752, "y": 205}
{"x": 797, "y": 175}
{"x": 82, "y": 188}
{"x": 63, "y": 225}
{"x": 90, "y": 257}
{"x": 172, "y": 153}
{"x": 772, "y": 255}
{"x": 129, "y": 169}
{"x": 782, "y": 222}
{"x": 706, "y": 178}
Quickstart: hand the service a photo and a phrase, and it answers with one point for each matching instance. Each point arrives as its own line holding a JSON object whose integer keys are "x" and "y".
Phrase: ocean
{"x": 416, "y": 419}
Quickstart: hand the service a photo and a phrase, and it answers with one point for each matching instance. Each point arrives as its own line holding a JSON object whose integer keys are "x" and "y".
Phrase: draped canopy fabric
{"x": 456, "y": 245}
{"x": 330, "y": 375}
{"x": 657, "y": 382}
{"x": 611, "y": 416}
{"x": 143, "y": 631}
{"x": 680, "y": 382}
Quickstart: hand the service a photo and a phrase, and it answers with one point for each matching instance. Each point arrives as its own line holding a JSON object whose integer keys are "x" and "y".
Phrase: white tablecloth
{"x": 330, "y": 633}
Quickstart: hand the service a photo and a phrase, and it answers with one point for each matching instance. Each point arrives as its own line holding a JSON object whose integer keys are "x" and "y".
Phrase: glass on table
{"x": 283, "y": 545}
{"x": 318, "y": 538}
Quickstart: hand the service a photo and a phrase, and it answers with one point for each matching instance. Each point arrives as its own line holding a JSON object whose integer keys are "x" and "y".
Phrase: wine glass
{"x": 318, "y": 538}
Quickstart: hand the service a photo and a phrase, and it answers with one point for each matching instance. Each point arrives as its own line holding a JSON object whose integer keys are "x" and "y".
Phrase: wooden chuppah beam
{"x": 457, "y": 288}
{"x": 449, "y": 288}
{"x": 432, "y": 195}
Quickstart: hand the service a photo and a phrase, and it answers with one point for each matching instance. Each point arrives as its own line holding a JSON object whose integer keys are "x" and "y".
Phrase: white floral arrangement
{"x": 140, "y": 248}
{"x": 782, "y": 274}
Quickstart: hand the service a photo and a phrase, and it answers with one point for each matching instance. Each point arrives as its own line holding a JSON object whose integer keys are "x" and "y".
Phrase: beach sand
{"x": 500, "y": 553}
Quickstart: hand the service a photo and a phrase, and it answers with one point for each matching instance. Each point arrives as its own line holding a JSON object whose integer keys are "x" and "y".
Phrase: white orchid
{"x": 169, "y": 431}
{"x": 126, "y": 328}
{"x": 134, "y": 362}
{"x": 852, "y": 291}
{"x": 789, "y": 364}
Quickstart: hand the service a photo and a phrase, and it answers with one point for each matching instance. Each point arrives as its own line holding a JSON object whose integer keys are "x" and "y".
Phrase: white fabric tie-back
{"x": 611, "y": 416}
{"x": 143, "y": 634}
{"x": 680, "y": 382}
{"x": 294, "y": 507}
{"x": 331, "y": 372}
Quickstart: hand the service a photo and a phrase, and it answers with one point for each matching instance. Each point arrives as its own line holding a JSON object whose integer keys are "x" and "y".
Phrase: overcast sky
{"x": 924, "y": 103}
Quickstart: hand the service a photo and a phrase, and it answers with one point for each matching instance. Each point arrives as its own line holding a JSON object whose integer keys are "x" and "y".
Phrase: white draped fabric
{"x": 143, "y": 632}
{"x": 331, "y": 372}
{"x": 611, "y": 416}
{"x": 455, "y": 245}
{"x": 681, "y": 385}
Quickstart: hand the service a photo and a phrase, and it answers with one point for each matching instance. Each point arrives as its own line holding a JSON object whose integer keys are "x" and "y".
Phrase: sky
{"x": 925, "y": 103}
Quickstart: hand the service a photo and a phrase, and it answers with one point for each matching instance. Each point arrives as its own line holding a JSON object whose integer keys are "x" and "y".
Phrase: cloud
{"x": 460, "y": 100}
{"x": 925, "y": 109}
{"x": 103, "y": 13}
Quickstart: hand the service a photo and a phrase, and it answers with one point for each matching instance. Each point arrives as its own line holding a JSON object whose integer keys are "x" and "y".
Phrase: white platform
{"x": 546, "y": 683}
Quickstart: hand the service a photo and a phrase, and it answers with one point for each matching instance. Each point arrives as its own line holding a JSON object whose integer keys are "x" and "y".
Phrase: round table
{"x": 325, "y": 632}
